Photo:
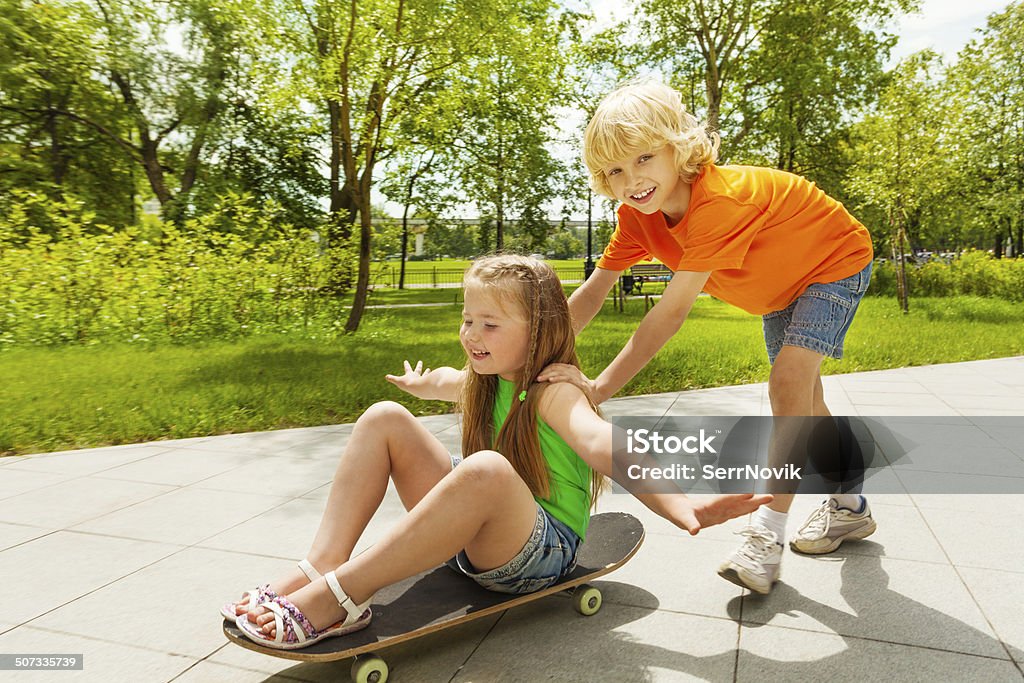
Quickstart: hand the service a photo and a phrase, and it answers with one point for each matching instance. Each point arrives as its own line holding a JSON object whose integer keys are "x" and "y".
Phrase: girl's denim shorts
{"x": 548, "y": 555}
{"x": 819, "y": 318}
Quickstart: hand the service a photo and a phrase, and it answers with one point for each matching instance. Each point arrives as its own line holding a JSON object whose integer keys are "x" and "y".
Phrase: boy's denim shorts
{"x": 548, "y": 555}
{"x": 819, "y": 318}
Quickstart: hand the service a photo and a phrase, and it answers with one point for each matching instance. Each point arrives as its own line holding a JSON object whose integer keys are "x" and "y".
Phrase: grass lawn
{"x": 449, "y": 272}
{"x": 74, "y": 397}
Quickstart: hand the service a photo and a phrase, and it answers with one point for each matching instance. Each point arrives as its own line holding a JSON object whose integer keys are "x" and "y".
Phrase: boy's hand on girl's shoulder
{"x": 414, "y": 381}
{"x": 710, "y": 510}
{"x": 563, "y": 372}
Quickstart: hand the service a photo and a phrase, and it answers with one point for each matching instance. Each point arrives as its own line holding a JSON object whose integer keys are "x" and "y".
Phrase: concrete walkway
{"x": 125, "y": 554}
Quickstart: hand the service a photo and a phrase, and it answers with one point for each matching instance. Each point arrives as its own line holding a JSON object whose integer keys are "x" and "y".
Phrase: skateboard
{"x": 441, "y": 598}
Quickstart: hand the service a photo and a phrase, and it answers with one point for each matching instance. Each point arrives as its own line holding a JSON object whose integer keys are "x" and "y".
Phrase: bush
{"x": 93, "y": 284}
{"x": 973, "y": 273}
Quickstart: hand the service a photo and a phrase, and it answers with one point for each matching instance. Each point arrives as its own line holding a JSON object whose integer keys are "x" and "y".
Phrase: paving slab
{"x": 622, "y": 644}
{"x": 103, "y": 661}
{"x": 16, "y": 534}
{"x": 897, "y": 601}
{"x": 769, "y": 654}
{"x": 1000, "y": 595}
{"x": 51, "y": 571}
{"x": 974, "y": 538}
{"x": 89, "y": 461}
{"x": 137, "y": 603}
{"x": 74, "y": 501}
{"x": 181, "y": 526}
{"x": 184, "y": 516}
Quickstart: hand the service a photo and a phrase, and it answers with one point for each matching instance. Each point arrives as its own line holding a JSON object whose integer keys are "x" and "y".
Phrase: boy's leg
{"x": 387, "y": 441}
{"x": 792, "y": 388}
{"x": 840, "y": 517}
{"x": 482, "y": 506}
{"x": 797, "y": 338}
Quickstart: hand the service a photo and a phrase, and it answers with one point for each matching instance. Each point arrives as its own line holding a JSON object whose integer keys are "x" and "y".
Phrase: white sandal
{"x": 262, "y": 594}
{"x": 293, "y": 630}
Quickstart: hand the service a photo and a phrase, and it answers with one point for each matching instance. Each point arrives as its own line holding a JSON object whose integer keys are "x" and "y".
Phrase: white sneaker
{"x": 830, "y": 525}
{"x": 755, "y": 564}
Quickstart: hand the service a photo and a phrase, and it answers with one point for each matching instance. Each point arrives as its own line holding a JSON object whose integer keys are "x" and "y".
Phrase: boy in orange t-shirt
{"x": 767, "y": 241}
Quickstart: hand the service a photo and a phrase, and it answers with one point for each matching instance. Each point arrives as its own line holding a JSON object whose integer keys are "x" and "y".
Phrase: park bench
{"x": 645, "y": 272}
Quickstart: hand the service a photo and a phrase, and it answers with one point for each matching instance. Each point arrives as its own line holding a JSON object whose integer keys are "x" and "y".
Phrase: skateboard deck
{"x": 441, "y": 598}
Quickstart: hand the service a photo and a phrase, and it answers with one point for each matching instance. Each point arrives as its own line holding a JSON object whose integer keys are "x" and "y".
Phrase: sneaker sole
{"x": 732, "y": 576}
{"x": 857, "y": 535}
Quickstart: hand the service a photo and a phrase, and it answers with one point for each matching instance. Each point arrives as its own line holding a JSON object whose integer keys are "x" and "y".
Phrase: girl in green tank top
{"x": 513, "y": 511}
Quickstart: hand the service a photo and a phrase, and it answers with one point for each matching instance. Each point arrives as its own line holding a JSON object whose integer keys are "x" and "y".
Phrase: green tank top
{"x": 568, "y": 473}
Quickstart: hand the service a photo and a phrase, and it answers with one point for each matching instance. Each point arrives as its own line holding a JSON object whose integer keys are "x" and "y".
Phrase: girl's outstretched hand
{"x": 415, "y": 380}
{"x": 710, "y": 510}
{"x": 563, "y": 372}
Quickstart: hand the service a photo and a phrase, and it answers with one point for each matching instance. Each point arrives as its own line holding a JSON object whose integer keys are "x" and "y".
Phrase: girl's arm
{"x": 657, "y": 327}
{"x": 440, "y": 384}
{"x": 586, "y": 301}
{"x": 566, "y": 410}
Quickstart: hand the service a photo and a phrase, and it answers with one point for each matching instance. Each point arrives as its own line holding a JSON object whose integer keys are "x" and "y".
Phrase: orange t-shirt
{"x": 764, "y": 234}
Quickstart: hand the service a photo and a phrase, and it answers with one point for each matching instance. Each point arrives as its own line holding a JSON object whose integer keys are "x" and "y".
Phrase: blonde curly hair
{"x": 643, "y": 116}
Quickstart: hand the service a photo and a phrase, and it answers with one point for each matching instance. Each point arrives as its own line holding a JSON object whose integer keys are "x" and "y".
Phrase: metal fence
{"x": 442, "y": 277}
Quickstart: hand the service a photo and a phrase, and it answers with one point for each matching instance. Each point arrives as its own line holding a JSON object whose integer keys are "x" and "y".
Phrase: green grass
{"x": 74, "y": 397}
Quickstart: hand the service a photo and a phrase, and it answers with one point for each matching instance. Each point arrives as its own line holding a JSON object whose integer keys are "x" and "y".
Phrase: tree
{"x": 423, "y": 159}
{"x": 711, "y": 36}
{"x": 47, "y": 62}
{"x": 797, "y": 105}
{"x": 901, "y": 163}
{"x": 365, "y": 65}
{"x": 988, "y": 127}
{"x": 789, "y": 108}
{"x": 509, "y": 91}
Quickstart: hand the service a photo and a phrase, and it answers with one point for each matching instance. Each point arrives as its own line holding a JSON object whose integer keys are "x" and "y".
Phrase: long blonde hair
{"x": 533, "y": 289}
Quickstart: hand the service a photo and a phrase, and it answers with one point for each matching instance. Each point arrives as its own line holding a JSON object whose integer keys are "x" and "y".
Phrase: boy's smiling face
{"x": 495, "y": 339}
{"x": 648, "y": 181}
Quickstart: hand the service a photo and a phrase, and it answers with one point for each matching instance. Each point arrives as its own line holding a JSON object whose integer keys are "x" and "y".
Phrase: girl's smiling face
{"x": 495, "y": 338}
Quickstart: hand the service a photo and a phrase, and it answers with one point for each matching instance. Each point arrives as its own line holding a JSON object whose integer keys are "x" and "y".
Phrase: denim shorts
{"x": 549, "y": 554}
{"x": 819, "y": 318}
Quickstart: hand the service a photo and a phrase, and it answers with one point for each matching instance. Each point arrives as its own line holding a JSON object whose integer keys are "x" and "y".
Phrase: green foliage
{"x": 974, "y": 273}
{"x": 458, "y": 240}
{"x": 565, "y": 244}
{"x": 94, "y": 284}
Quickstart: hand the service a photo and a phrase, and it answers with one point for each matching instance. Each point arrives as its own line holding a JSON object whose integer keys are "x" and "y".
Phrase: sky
{"x": 944, "y": 25}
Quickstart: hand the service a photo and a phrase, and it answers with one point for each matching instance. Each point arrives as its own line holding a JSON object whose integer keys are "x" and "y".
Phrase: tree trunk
{"x": 363, "y": 278}
{"x": 58, "y": 159}
{"x": 405, "y": 238}
{"x": 899, "y": 257}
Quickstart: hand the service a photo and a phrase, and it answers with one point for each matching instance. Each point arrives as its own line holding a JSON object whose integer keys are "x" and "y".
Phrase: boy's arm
{"x": 657, "y": 327}
{"x": 587, "y": 300}
{"x": 440, "y": 384}
{"x": 565, "y": 409}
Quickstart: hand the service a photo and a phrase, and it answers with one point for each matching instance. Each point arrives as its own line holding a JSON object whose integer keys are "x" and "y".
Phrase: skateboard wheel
{"x": 370, "y": 669}
{"x": 587, "y": 600}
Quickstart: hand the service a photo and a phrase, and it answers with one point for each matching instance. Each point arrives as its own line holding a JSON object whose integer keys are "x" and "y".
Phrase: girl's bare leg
{"x": 482, "y": 506}
{"x": 387, "y": 441}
